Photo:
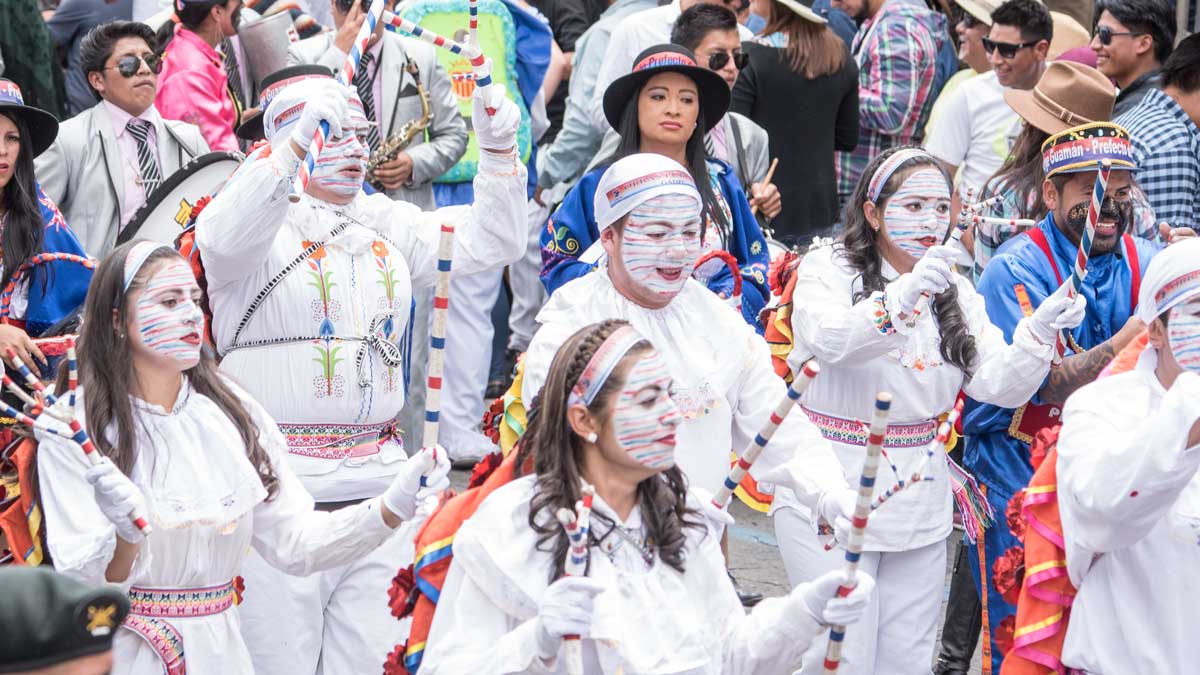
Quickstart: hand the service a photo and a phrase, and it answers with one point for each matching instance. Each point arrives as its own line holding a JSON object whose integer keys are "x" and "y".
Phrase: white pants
{"x": 524, "y": 276}
{"x": 897, "y": 634}
{"x": 468, "y": 361}
{"x": 335, "y": 622}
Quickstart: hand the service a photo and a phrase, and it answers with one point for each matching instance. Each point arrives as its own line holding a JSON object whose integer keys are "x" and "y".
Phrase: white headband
{"x": 136, "y": 258}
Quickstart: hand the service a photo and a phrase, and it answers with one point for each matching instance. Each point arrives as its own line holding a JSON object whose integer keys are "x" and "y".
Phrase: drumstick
{"x": 1085, "y": 248}
{"x": 345, "y": 78}
{"x": 862, "y": 509}
{"x": 437, "y": 340}
{"x": 739, "y": 470}
{"x": 472, "y": 52}
{"x": 766, "y": 181}
{"x": 577, "y": 526}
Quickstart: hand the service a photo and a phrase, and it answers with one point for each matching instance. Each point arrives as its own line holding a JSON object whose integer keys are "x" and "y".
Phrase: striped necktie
{"x": 232, "y": 73}
{"x": 366, "y": 93}
{"x": 147, "y": 160}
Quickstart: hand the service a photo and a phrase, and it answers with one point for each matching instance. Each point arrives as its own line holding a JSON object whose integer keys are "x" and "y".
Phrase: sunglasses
{"x": 719, "y": 60}
{"x": 1006, "y": 49}
{"x": 130, "y": 64}
{"x": 1106, "y": 34}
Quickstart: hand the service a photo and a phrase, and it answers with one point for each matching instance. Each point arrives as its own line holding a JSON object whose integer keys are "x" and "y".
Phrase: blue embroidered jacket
{"x": 572, "y": 229}
{"x": 57, "y": 287}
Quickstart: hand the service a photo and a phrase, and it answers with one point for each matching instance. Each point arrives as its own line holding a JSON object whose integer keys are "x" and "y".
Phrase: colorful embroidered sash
{"x": 150, "y": 606}
{"x": 854, "y": 432}
{"x": 339, "y": 441}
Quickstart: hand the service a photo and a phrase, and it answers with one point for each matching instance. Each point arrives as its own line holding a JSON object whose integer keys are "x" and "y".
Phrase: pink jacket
{"x": 192, "y": 87}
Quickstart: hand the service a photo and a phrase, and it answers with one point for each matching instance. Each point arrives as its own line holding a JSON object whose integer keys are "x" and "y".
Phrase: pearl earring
{"x": 591, "y": 437}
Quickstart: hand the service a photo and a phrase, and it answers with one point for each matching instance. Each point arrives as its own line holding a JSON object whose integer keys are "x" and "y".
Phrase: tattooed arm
{"x": 1080, "y": 369}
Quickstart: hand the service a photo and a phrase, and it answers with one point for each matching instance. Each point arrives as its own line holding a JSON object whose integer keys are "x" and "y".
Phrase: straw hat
{"x": 803, "y": 11}
{"x": 980, "y": 9}
{"x": 1068, "y": 34}
{"x": 1068, "y": 95}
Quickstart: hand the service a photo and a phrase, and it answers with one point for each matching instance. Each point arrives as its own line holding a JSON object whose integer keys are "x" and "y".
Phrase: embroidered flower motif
{"x": 317, "y": 255}
{"x": 1008, "y": 574}
{"x": 756, "y": 248}
{"x": 379, "y": 248}
{"x": 1016, "y": 519}
{"x": 1003, "y": 635}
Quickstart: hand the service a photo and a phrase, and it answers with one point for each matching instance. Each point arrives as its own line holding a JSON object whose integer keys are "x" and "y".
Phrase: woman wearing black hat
{"x": 31, "y": 224}
{"x": 665, "y": 106}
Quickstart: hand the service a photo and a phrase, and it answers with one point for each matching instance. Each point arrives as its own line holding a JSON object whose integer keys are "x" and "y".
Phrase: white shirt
{"x": 975, "y": 130}
{"x": 858, "y": 361}
{"x": 1129, "y": 497}
{"x": 632, "y": 36}
{"x": 208, "y": 507}
{"x": 360, "y": 284}
{"x": 647, "y": 620}
{"x": 723, "y": 380}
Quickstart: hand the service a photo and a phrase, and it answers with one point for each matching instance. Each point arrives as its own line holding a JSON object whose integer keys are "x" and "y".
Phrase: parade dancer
{"x": 853, "y": 295}
{"x": 655, "y": 597}
{"x": 204, "y": 462}
{"x": 310, "y": 302}
{"x": 1129, "y": 494}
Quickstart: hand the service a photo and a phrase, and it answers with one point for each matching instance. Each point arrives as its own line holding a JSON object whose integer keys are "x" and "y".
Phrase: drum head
{"x": 169, "y": 207}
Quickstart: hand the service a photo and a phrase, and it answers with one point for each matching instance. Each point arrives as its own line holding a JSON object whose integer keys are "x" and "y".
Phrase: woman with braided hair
{"x": 655, "y": 597}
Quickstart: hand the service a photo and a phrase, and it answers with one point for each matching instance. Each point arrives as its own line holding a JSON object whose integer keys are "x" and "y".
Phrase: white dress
{"x": 723, "y": 380}
{"x": 648, "y": 619}
{"x": 1129, "y": 497}
{"x": 208, "y": 507}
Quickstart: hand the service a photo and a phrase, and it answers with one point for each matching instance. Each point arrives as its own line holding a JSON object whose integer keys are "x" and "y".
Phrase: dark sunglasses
{"x": 718, "y": 60}
{"x": 1106, "y": 34}
{"x": 1006, "y": 49}
{"x": 129, "y": 65}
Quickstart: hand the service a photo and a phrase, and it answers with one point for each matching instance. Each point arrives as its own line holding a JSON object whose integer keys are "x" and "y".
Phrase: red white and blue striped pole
{"x": 1085, "y": 246}
{"x": 472, "y": 52}
{"x": 862, "y": 509}
{"x": 473, "y": 22}
{"x": 956, "y": 235}
{"x": 345, "y": 78}
{"x": 804, "y": 378}
{"x": 577, "y": 525}
{"x": 437, "y": 339}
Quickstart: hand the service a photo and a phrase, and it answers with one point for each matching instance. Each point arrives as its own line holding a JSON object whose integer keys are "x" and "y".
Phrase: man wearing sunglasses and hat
{"x": 108, "y": 159}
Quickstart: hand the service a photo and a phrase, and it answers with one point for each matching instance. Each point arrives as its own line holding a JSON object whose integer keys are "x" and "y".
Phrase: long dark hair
{"x": 1021, "y": 174}
{"x": 557, "y": 454}
{"x": 697, "y": 164}
{"x": 24, "y": 229}
{"x": 106, "y": 369}
{"x": 190, "y": 17}
{"x": 860, "y": 246}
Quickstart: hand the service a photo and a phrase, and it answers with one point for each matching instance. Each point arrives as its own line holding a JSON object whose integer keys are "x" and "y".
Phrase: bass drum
{"x": 169, "y": 207}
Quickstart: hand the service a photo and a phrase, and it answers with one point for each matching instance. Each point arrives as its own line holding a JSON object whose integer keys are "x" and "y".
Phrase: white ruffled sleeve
{"x": 1004, "y": 375}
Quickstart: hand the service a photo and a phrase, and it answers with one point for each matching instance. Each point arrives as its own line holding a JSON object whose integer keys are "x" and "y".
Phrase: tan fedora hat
{"x": 1068, "y": 34}
{"x": 803, "y": 11}
{"x": 1068, "y": 95}
{"x": 980, "y": 9}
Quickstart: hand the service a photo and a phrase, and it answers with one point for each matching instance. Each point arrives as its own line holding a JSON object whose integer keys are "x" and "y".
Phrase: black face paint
{"x": 1120, "y": 212}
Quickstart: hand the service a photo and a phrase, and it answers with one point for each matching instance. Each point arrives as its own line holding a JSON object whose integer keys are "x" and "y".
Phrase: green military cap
{"x": 47, "y": 618}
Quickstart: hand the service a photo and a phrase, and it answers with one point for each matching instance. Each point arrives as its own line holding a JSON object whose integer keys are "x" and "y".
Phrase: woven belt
{"x": 180, "y": 602}
{"x": 339, "y": 441}
{"x": 854, "y": 432}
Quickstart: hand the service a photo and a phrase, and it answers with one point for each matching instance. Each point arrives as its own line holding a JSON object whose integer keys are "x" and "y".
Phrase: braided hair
{"x": 557, "y": 455}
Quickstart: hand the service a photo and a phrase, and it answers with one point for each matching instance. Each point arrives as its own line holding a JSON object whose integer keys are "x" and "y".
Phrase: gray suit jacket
{"x": 82, "y": 172}
{"x": 443, "y": 143}
{"x": 755, "y": 149}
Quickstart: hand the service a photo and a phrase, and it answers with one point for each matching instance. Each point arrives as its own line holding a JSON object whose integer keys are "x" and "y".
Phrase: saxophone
{"x": 389, "y": 149}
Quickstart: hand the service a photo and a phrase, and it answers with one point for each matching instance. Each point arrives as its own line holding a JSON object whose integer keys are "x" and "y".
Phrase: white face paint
{"x": 918, "y": 214}
{"x": 343, "y": 161}
{"x": 168, "y": 317}
{"x": 661, "y": 243}
{"x": 1183, "y": 334}
{"x": 644, "y": 415}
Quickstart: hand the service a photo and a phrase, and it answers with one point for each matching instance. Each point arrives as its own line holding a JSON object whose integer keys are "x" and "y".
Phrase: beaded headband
{"x": 890, "y": 165}
{"x": 136, "y": 258}
{"x": 600, "y": 366}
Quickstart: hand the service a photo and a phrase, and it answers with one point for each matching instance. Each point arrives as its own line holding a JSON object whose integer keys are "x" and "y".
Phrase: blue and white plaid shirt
{"x": 1167, "y": 145}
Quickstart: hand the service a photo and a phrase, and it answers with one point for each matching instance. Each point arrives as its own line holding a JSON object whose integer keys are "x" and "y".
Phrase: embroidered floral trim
{"x": 883, "y": 320}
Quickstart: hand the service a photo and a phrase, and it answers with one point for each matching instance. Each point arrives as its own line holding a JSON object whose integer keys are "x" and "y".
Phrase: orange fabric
{"x": 14, "y": 522}
{"x": 1044, "y": 607}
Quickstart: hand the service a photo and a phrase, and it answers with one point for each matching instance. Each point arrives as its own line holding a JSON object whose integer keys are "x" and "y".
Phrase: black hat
{"x": 251, "y": 128}
{"x": 43, "y": 127}
{"x": 49, "y": 618}
{"x": 714, "y": 93}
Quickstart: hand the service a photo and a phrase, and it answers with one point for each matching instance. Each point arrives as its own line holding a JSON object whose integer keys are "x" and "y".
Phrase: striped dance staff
{"x": 42, "y": 401}
{"x": 918, "y": 474}
{"x": 956, "y": 235}
{"x": 437, "y": 339}
{"x": 736, "y": 473}
{"x": 473, "y": 22}
{"x": 471, "y": 52}
{"x": 1085, "y": 246}
{"x": 345, "y": 78}
{"x": 862, "y": 509}
{"x": 577, "y": 525}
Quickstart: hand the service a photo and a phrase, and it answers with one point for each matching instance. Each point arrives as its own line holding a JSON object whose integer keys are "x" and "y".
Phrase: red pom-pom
{"x": 1014, "y": 516}
{"x": 484, "y": 468}
{"x": 779, "y": 270}
{"x": 239, "y": 590}
{"x": 394, "y": 665}
{"x": 1043, "y": 441}
{"x": 1008, "y": 573}
{"x": 200, "y": 204}
{"x": 1003, "y": 635}
{"x": 491, "y": 420}
{"x": 401, "y": 599}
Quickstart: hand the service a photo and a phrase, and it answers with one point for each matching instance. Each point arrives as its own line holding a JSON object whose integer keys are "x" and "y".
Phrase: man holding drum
{"x": 108, "y": 159}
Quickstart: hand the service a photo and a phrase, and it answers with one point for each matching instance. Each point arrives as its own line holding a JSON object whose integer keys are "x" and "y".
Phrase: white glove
{"x": 1056, "y": 313}
{"x": 821, "y": 601}
{"x": 932, "y": 275}
{"x": 117, "y": 497}
{"x": 332, "y": 106}
{"x": 565, "y": 609}
{"x": 953, "y": 252}
{"x": 837, "y": 509}
{"x": 721, "y": 518}
{"x": 494, "y": 132}
{"x": 425, "y": 472}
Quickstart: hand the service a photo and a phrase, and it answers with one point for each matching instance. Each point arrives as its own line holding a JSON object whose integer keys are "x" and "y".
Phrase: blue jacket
{"x": 572, "y": 229}
{"x": 57, "y": 287}
{"x": 996, "y": 458}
